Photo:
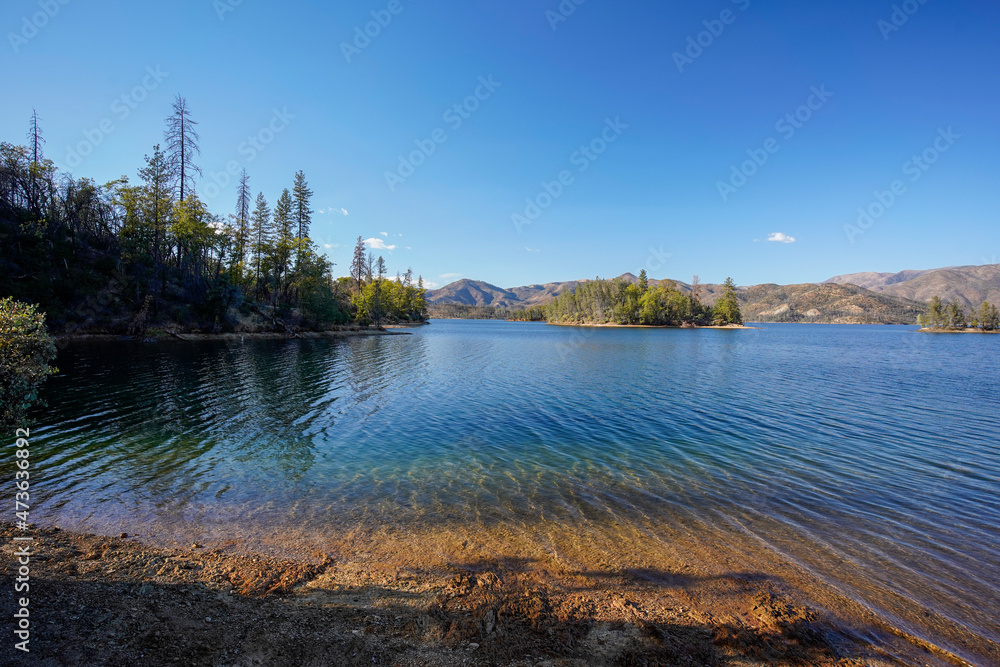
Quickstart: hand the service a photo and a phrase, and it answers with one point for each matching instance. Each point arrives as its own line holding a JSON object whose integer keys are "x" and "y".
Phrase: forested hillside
{"x": 127, "y": 256}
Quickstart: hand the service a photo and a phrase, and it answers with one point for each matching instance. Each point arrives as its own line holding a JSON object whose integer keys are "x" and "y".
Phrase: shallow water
{"x": 867, "y": 455}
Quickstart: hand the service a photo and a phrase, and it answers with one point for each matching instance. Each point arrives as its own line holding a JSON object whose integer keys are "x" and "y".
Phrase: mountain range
{"x": 888, "y": 298}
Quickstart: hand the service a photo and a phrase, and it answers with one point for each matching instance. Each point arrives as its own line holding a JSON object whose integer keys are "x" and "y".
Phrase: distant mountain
{"x": 872, "y": 280}
{"x": 477, "y": 293}
{"x": 886, "y": 298}
{"x": 473, "y": 293}
{"x": 969, "y": 285}
{"x": 824, "y": 303}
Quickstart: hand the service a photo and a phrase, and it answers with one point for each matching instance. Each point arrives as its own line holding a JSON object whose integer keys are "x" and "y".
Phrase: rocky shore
{"x": 115, "y": 601}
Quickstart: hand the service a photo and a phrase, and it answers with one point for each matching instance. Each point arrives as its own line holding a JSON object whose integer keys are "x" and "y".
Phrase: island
{"x": 953, "y": 318}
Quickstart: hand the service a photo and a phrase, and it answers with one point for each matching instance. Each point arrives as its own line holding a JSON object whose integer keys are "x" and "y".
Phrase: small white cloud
{"x": 344, "y": 211}
{"x": 409, "y": 248}
{"x": 378, "y": 244}
{"x": 450, "y": 276}
{"x": 329, "y": 246}
{"x": 430, "y": 284}
{"x": 778, "y": 237}
{"x": 385, "y": 234}
{"x": 531, "y": 249}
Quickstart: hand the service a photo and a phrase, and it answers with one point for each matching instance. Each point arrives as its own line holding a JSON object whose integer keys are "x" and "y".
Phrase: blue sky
{"x": 557, "y": 80}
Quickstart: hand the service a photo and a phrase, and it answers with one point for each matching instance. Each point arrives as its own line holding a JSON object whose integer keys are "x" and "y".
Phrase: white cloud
{"x": 450, "y": 276}
{"x": 385, "y": 234}
{"x": 409, "y": 248}
{"x": 430, "y": 284}
{"x": 778, "y": 237}
{"x": 531, "y": 249}
{"x": 344, "y": 211}
{"x": 378, "y": 244}
{"x": 331, "y": 245}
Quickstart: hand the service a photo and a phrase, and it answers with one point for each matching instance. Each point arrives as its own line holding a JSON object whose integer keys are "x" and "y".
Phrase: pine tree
{"x": 156, "y": 176}
{"x": 955, "y": 315}
{"x": 301, "y": 195}
{"x": 261, "y": 231}
{"x": 358, "y": 265}
{"x": 181, "y": 147}
{"x": 992, "y": 322}
{"x": 727, "y": 308}
{"x": 935, "y": 312}
{"x": 284, "y": 238}
{"x": 35, "y": 142}
{"x": 242, "y": 225}
{"x": 643, "y": 282}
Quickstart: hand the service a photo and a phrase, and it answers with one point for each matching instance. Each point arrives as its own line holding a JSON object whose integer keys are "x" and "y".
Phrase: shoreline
{"x": 439, "y": 598}
{"x": 167, "y": 335}
{"x": 648, "y": 326}
{"x": 956, "y": 331}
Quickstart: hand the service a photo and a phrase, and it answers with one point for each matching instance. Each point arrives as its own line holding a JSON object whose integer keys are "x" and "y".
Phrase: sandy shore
{"x": 956, "y": 331}
{"x": 428, "y": 599}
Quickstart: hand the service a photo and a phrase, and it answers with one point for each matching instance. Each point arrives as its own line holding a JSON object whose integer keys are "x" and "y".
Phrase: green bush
{"x": 26, "y": 349}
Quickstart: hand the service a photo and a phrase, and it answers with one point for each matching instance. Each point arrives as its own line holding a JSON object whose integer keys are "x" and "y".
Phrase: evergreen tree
{"x": 727, "y": 308}
{"x": 643, "y": 282}
{"x": 935, "y": 312}
{"x": 955, "y": 316}
{"x": 156, "y": 209}
{"x": 241, "y": 226}
{"x": 181, "y": 139}
{"x": 261, "y": 232}
{"x": 358, "y": 264}
{"x": 992, "y": 321}
{"x": 301, "y": 195}
{"x": 284, "y": 238}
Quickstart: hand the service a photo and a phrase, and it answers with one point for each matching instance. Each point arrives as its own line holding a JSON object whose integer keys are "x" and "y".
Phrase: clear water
{"x": 867, "y": 455}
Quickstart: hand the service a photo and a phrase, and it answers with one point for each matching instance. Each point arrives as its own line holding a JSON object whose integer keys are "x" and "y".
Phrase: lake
{"x": 863, "y": 456}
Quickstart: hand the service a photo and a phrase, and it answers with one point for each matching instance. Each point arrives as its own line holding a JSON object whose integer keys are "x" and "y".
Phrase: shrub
{"x": 25, "y": 352}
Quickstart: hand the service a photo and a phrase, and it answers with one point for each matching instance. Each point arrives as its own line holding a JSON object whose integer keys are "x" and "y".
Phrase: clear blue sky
{"x": 656, "y": 186}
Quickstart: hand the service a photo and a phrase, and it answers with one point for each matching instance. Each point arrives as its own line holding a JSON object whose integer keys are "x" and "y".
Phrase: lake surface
{"x": 866, "y": 455}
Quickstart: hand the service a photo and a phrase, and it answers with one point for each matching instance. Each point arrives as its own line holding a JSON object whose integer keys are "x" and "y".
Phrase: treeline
{"x": 953, "y": 316}
{"x": 458, "y": 311}
{"x": 620, "y": 302}
{"x": 124, "y": 256}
